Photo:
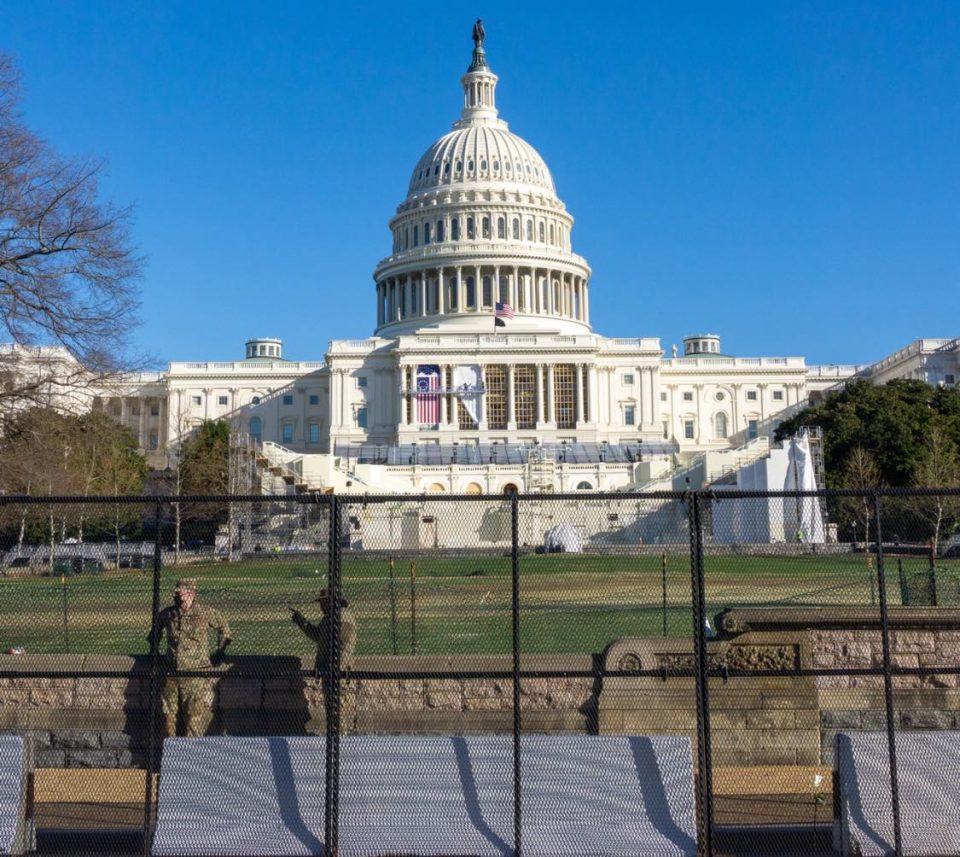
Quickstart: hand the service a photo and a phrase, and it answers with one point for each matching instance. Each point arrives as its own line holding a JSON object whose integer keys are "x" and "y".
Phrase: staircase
{"x": 278, "y": 468}
{"x": 694, "y": 473}
{"x": 742, "y": 456}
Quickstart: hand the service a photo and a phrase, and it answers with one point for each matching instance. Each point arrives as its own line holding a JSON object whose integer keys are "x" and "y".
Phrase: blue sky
{"x": 787, "y": 175}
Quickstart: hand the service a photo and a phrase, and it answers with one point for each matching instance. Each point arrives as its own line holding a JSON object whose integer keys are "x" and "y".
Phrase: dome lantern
{"x": 479, "y": 84}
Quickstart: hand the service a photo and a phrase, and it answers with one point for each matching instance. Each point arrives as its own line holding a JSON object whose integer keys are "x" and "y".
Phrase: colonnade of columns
{"x": 145, "y": 415}
{"x": 476, "y": 288}
{"x": 584, "y": 397}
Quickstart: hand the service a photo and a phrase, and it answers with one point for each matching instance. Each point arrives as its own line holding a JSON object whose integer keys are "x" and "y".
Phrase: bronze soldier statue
{"x": 319, "y": 633}
{"x": 187, "y": 626}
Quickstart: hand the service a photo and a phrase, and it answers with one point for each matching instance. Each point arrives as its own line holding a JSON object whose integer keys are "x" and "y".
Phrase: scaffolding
{"x": 541, "y": 471}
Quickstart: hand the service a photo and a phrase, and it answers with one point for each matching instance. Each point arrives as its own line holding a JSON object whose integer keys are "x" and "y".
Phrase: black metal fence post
{"x": 331, "y": 681}
{"x": 663, "y": 586}
{"x": 393, "y": 609}
{"x": 888, "y": 683}
{"x": 517, "y": 714}
{"x": 153, "y": 684}
{"x": 701, "y": 666}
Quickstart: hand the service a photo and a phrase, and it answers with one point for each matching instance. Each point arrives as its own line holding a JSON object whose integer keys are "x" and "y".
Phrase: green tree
{"x": 206, "y": 459}
{"x": 201, "y": 466}
{"x": 892, "y": 422}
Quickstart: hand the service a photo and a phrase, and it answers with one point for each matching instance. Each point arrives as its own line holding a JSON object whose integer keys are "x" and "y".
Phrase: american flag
{"x": 428, "y": 398}
{"x": 503, "y": 310}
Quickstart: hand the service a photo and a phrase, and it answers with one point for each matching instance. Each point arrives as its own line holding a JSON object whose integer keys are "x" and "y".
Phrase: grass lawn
{"x": 569, "y": 603}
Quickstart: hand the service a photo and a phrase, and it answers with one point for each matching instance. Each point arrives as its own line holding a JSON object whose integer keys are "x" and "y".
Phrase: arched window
{"x": 542, "y": 238}
{"x": 471, "y": 230}
{"x": 510, "y": 489}
{"x": 551, "y": 233}
{"x": 436, "y": 488}
{"x": 455, "y": 229}
{"x": 485, "y": 226}
{"x": 501, "y": 227}
{"x": 487, "y": 294}
{"x": 516, "y": 228}
{"x": 255, "y": 400}
{"x": 471, "y": 293}
{"x": 256, "y": 428}
{"x": 446, "y": 168}
{"x": 584, "y": 486}
{"x": 473, "y": 489}
{"x": 406, "y": 237}
{"x": 529, "y": 230}
{"x": 426, "y": 233}
{"x": 416, "y": 232}
{"x": 439, "y": 231}
{"x": 504, "y": 290}
{"x": 720, "y": 426}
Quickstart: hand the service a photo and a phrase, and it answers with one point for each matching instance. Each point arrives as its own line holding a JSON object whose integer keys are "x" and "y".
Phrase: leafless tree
{"x": 860, "y": 474}
{"x": 68, "y": 270}
{"x": 939, "y": 469}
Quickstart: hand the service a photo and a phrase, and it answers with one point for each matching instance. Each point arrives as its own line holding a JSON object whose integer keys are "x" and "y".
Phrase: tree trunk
{"x": 937, "y": 523}
{"x": 23, "y": 530}
{"x": 116, "y": 532}
{"x": 176, "y": 533}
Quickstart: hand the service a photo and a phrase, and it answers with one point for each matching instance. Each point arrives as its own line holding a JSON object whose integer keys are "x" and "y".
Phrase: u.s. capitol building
{"x": 483, "y": 373}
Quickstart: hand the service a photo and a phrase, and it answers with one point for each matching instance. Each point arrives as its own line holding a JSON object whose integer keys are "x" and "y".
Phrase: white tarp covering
{"x": 466, "y": 381}
{"x": 563, "y": 538}
{"x": 804, "y": 512}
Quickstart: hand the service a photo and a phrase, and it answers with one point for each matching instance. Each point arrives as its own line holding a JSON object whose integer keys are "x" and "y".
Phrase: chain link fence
{"x": 714, "y": 672}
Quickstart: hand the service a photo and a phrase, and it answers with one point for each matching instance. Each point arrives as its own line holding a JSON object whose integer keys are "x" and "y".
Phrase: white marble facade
{"x": 482, "y": 224}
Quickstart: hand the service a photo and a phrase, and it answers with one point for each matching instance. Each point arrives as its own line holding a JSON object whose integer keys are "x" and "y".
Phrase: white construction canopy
{"x": 802, "y": 513}
{"x": 16, "y": 762}
{"x": 562, "y": 538}
{"x": 927, "y": 766}
{"x": 428, "y": 795}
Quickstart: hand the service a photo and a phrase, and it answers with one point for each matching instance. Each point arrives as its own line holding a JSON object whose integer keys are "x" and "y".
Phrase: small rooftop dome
{"x": 701, "y": 343}
{"x": 269, "y": 348}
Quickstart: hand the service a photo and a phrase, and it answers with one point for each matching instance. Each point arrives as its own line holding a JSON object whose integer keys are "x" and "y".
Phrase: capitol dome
{"x": 480, "y": 153}
{"x": 481, "y": 227}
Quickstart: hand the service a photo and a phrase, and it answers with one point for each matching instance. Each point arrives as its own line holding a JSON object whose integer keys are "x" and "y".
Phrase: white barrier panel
{"x": 16, "y": 763}
{"x": 927, "y": 766}
{"x": 428, "y": 795}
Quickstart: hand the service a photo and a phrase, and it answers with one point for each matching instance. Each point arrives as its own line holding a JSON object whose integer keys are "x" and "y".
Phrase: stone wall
{"x": 762, "y": 721}
{"x": 851, "y": 638}
{"x": 95, "y": 722}
{"x": 782, "y": 720}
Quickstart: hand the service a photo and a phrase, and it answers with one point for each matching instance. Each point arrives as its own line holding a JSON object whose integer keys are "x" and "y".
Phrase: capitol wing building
{"x": 484, "y": 374}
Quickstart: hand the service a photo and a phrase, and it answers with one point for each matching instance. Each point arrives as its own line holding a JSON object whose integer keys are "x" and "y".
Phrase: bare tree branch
{"x": 68, "y": 269}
